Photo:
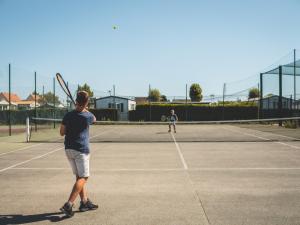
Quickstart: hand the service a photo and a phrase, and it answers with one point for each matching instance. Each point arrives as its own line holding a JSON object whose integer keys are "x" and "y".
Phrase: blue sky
{"x": 165, "y": 43}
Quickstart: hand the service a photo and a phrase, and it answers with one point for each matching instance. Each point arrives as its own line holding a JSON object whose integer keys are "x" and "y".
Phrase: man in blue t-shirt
{"x": 75, "y": 128}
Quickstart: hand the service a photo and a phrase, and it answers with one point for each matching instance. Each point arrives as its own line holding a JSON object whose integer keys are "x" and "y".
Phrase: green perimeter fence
{"x": 161, "y": 112}
{"x": 13, "y": 122}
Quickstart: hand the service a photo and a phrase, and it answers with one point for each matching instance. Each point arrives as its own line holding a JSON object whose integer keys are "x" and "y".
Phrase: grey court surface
{"x": 219, "y": 175}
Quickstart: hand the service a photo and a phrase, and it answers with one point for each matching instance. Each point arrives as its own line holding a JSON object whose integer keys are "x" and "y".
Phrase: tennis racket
{"x": 64, "y": 86}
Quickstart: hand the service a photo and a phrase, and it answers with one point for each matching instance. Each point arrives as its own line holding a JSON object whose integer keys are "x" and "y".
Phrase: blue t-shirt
{"x": 173, "y": 118}
{"x": 77, "y": 130}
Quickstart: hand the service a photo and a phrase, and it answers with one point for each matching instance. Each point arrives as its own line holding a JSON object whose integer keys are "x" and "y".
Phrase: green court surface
{"x": 203, "y": 174}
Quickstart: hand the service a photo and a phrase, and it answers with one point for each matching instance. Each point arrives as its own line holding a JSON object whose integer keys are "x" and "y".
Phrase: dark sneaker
{"x": 67, "y": 209}
{"x": 169, "y": 131}
{"x": 87, "y": 206}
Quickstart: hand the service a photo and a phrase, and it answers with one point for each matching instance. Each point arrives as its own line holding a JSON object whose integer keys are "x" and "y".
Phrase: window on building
{"x": 132, "y": 107}
{"x": 121, "y": 107}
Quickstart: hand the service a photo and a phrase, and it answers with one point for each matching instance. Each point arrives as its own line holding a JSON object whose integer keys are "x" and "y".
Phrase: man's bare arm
{"x": 62, "y": 130}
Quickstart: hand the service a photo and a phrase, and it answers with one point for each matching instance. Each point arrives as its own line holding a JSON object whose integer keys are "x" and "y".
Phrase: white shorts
{"x": 80, "y": 162}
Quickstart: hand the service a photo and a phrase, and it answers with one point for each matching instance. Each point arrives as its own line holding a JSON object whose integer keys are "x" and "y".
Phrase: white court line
{"x": 102, "y": 133}
{"x": 40, "y": 156}
{"x": 163, "y": 169}
{"x": 266, "y": 139}
{"x": 247, "y": 134}
{"x": 26, "y": 161}
{"x": 179, "y": 153}
{"x": 289, "y": 145}
{"x": 185, "y": 169}
{"x": 23, "y": 148}
{"x": 39, "y": 168}
{"x": 245, "y": 168}
{"x": 266, "y": 132}
{"x": 104, "y": 170}
{"x": 26, "y": 147}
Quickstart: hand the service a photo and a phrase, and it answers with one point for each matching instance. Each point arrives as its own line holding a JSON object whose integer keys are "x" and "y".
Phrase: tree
{"x": 163, "y": 98}
{"x": 154, "y": 95}
{"x": 86, "y": 88}
{"x": 253, "y": 93}
{"x": 196, "y": 93}
{"x": 48, "y": 97}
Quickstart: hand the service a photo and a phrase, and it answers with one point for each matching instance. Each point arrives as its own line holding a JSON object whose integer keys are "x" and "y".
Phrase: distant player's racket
{"x": 64, "y": 86}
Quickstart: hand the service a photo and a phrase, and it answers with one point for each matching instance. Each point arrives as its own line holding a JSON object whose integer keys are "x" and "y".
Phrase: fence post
{"x": 280, "y": 95}
{"x": 9, "y": 100}
{"x": 35, "y": 110}
{"x": 149, "y": 97}
{"x": 261, "y": 96}
{"x": 295, "y": 88}
{"x": 68, "y": 98}
{"x": 223, "y": 108}
{"x": 54, "y": 125}
{"x": 186, "y": 109}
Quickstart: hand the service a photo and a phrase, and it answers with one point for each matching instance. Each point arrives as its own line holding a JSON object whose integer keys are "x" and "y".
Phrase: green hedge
{"x": 194, "y": 112}
{"x": 105, "y": 114}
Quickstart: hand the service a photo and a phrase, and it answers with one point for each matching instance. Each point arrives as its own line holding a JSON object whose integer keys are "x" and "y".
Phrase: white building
{"x": 3, "y": 104}
{"x": 124, "y": 105}
{"x": 4, "y": 101}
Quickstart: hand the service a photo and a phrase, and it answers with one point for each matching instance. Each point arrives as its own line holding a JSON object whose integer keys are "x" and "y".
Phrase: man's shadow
{"x": 24, "y": 219}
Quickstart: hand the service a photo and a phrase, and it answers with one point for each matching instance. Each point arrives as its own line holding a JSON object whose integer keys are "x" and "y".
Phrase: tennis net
{"x": 264, "y": 130}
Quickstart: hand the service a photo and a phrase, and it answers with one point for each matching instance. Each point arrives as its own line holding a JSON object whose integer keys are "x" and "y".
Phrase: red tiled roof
{"x": 13, "y": 97}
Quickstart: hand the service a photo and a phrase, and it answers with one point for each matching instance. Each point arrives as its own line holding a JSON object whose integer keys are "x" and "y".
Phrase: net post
{"x": 261, "y": 96}
{"x": 9, "y": 99}
{"x": 280, "y": 95}
{"x": 27, "y": 129}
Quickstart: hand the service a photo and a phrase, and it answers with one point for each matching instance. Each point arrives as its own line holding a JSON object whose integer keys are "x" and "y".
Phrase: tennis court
{"x": 141, "y": 174}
